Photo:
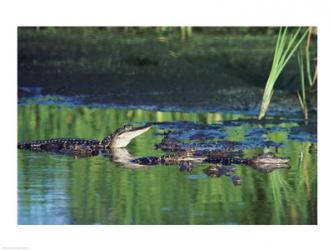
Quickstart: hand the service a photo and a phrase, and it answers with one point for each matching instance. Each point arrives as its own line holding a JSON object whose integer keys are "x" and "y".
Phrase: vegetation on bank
{"x": 218, "y": 61}
{"x": 183, "y": 32}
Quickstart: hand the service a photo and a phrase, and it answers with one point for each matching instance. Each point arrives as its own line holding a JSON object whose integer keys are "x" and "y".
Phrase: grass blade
{"x": 285, "y": 48}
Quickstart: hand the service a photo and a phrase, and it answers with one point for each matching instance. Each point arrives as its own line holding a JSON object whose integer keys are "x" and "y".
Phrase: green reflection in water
{"x": 54, "y": 189}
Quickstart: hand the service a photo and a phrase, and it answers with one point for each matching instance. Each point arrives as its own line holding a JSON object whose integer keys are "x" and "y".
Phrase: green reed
{"x": 302, "y": 93}
{"x": 307, "y": 81}
{"x": 286, "y": 45}
{"x": 186, "y": 32}
{"x": 311, "y": 79}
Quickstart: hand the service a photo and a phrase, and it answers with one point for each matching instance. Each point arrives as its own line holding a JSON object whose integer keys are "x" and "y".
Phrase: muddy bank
{"x": 206, "y": 72}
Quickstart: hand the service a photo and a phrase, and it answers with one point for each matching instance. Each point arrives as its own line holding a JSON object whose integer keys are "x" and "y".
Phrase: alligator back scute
{"x": 148, "y": 160}
{"x": 56, "y": 144}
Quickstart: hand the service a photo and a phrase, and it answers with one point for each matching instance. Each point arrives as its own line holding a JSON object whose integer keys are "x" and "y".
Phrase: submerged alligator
{"x": 113, "y": 147}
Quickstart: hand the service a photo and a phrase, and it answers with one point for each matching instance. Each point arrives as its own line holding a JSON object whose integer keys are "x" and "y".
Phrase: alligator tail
{"x": 24, "y": 145}
{"x": 29, "y": 146}
{"x": 226, "y": 161}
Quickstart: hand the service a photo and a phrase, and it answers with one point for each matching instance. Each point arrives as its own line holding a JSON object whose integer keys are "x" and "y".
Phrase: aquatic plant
{"x": 186, "y": 32}
{"x": 302, "y": 96}
{"x": 311, "y": 79}
{"x": 307, "y": 83}
{"x": 286, "y": 45}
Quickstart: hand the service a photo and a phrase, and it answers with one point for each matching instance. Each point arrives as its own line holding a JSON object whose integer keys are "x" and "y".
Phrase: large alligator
{"x": 178, "y": 153}
{"x": 86, "y": 147}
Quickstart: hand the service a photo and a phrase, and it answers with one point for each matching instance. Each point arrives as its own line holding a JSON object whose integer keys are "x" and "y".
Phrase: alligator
{"x": 86, "y": 147}
{"x": 177, "y": 153}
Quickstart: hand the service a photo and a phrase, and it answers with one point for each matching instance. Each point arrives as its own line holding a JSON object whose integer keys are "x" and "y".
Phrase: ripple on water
{"x": 166, "y": 209}
{"x": 196, "y": 177}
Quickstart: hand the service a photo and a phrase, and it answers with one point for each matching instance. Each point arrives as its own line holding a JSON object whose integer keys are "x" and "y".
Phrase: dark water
{"x": 55, "y": 189}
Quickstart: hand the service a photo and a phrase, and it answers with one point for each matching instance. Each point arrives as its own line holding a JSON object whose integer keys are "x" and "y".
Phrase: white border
{"x": 143, "y": 12}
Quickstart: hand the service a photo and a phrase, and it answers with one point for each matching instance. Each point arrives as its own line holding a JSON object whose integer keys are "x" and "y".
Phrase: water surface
{"x": 56, "y": 189}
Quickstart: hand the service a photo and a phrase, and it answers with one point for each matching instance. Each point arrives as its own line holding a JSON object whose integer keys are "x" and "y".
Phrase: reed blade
{"x": 286, "y": 46}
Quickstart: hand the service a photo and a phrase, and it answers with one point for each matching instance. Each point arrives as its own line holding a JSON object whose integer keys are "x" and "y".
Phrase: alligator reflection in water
{"x": 178, "y": 153}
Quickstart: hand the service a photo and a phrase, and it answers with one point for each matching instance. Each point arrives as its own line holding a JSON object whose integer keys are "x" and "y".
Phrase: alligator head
{"x": 269, "y": 158}
{"x": 267, "y": 162}
{"x": 123, "y": 136}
